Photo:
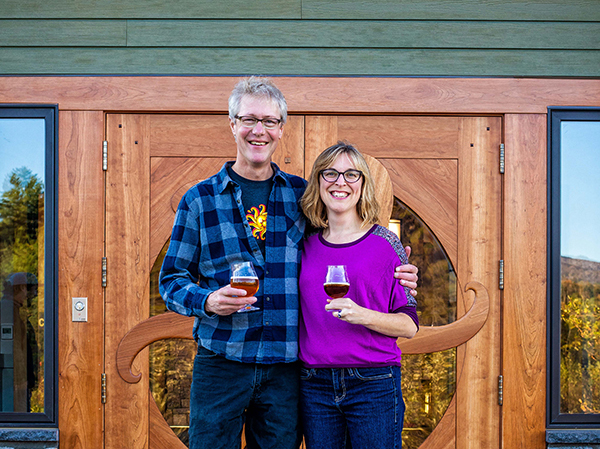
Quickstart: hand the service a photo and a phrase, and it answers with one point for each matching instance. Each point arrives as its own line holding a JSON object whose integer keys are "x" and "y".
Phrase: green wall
{"x": 534, "y": 38}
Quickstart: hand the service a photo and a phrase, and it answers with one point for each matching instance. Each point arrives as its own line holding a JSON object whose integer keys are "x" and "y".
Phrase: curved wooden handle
{"x": 166, "y": 325}
{"x": 440, "y": 338}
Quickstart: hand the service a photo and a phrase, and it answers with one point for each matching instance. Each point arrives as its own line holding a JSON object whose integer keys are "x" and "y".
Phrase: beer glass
{"x": 336, "y": 281}
{"x": 244, "y": 276}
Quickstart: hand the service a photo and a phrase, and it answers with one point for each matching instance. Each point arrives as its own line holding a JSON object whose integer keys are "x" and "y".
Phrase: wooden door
{"x": 443, "y": 168}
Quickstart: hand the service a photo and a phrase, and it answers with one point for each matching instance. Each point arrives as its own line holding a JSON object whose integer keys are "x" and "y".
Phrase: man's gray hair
{"x": 256, "y": 86}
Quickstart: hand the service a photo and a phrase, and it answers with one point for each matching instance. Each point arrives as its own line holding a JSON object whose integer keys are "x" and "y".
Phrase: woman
{"x": 350, "y": 379}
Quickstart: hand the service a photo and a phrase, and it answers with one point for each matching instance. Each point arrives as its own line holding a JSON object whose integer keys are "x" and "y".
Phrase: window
{"x": 28, "y": 290}
{"x": 574, "y": 268}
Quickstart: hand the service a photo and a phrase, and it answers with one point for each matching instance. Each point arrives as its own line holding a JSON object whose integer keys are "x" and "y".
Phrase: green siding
{"x": 534, "y": 38}
{"x": 362, "y": 34}
{"x": 530, "y": 10}
{"x": 150, "y": 9}
{"x": 335, "y": 62}
{"x": 67, "y": 33}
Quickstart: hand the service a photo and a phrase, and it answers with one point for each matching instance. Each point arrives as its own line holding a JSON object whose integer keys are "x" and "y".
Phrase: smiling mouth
{"x": 340, "y": 194}
{"x": 259, "y": 144}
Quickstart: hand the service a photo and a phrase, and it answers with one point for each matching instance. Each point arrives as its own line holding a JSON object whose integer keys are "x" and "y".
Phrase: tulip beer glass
{"x": 336, "y": 282}
{"x": 244, "y": 277}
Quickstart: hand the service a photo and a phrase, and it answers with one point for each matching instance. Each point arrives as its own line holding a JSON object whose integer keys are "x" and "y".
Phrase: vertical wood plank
{"x": 479, "y": 225}
{"x": 81, "y": 237}
{"x": 320, "y": 132}
{"x": 524, "y": 335}
{"x": 289, "y": 155}
{"x": 127, "y": 292}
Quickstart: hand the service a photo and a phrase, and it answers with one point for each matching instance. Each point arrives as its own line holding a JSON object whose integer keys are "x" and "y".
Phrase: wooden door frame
{"x": 83, "y": 101}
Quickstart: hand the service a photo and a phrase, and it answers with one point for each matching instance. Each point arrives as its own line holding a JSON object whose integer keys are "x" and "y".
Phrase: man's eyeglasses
{"x": 332, "y": 175}
{"x": 248, "y": 121}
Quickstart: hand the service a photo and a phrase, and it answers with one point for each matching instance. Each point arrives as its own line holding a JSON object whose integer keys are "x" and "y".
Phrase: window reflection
{"x": 428, "y": 380}
{"x": 22, "y": 156}
{"x": 580, "y": 267}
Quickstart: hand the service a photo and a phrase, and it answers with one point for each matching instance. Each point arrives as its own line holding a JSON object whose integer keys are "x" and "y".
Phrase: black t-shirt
{"x": 255, "y": 197}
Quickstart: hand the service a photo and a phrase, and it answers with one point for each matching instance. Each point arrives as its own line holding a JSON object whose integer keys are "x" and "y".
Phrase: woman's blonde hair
{"x": 311, "y": 202}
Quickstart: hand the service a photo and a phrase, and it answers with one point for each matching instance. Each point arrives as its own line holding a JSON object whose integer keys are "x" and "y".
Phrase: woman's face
{"x": 340, "y": 197}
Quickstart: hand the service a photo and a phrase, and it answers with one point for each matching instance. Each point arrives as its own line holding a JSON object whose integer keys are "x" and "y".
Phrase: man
{"x": 245, "y": 369}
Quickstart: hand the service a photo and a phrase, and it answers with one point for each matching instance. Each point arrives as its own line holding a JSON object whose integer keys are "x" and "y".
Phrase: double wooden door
{"x": 443, "y": 168}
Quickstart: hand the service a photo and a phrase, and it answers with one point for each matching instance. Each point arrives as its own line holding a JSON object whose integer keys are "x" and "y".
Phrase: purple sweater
{"x": 328, "y": 342}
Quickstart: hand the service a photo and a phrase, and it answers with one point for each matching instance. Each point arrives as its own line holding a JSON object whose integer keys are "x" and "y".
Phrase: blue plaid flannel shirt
{"x": 210, "y": 232}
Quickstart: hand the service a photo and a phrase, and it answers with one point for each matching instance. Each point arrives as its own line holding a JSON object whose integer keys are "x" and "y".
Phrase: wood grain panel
{"x": 289, "y": 155}
{"x": 299, "y": 61}
{"x": 59, "y": 33}
{"x": 429, "y": 188}
{"x": 306, "y": 95}
{"x": 524, "y": 335}
{"x": 321, "y": 132}
{"x": 80, "y": 251}
{"x": 452, "y": 9}
{"x": 410, "y": 137}
{"x": 127, "y": 231}
{"x": 479, "y": 225}
{"x": 151, "y": 9}
{"x": 170, "y": 179}
{"x": 361, "y": 34}
{"x": 191, "y": 136}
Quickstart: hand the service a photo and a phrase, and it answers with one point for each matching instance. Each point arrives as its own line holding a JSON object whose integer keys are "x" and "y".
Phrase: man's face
{"x": 256, "y": 145}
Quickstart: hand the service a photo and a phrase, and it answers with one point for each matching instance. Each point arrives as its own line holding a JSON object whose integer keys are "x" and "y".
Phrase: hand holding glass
{"x": 244, "y": 277}
{"x": 336, "y": 281}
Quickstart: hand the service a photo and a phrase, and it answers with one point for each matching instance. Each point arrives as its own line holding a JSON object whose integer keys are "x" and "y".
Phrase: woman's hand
{"x": 408, "y": 274}
{"x": 391, "y": 324}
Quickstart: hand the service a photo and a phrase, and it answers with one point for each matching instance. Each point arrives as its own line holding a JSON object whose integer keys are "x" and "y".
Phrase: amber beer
{"x": 250, "y": 284}
{"x": 336, "y": 289}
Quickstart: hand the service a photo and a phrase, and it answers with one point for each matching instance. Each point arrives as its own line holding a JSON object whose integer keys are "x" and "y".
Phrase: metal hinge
{"x": 502, "y": 158}
{"x": 103, "y": 387}
{"x": 104, "y": 272}
{"x": 501, "y": 275}
{"x": 500, "y": 389}
{"x": 105, "y": 155}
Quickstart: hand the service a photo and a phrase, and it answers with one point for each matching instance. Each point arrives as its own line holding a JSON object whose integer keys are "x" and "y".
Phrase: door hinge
{"x": 502, "y": 158}
{"x": 103, "y": 387}
{"x": 104, "y": 155}
{"x": 104, "y": 272}
{"x": 500, "y": 389}
{"x": 501, "y": 275}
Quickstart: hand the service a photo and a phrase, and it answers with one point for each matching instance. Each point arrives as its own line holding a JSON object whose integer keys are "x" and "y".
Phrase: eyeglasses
{"x": 332, "y": 175}
{"x": 248, "y": 121}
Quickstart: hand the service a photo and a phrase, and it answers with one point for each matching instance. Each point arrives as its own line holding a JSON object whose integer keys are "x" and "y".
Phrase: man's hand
{"x": 227, "y": 300}
{"x": 408, "y": 274}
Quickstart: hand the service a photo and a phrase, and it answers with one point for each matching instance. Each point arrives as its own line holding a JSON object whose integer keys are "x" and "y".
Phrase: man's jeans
{"x": 362, "y": 404}
{"x": 225, "y": 394}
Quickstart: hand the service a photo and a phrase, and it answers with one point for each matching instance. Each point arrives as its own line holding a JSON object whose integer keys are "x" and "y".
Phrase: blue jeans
{"x": 226, "y": 394}
{"x": 360, "y": 408}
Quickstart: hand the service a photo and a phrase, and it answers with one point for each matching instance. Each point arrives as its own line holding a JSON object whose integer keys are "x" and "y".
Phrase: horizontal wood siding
{"x": 511, "y": 38}
{"x": 326, "y": 62}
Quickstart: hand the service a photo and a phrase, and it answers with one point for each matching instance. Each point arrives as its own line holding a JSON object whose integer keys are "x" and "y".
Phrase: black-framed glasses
{"x": 248, "y": 121}
{"x": 332, "y": 175}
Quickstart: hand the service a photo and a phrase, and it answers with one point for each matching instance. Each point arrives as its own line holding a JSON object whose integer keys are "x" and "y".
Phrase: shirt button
{"x": 268, "y": 323}
{"x": 268, "y": 298}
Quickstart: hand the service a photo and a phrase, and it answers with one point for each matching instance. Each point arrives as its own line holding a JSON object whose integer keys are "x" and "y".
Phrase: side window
{"x": 574, "y": 268}
{"x": 28, "y": 173}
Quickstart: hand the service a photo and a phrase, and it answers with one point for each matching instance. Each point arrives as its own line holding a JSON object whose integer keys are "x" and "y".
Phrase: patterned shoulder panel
{"x": 393, "y": 240}
{"x": 396, "y": 245}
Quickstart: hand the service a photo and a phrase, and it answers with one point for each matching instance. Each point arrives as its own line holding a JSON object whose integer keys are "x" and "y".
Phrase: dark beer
{"x": 250, "y": 284}
{"x": 336, "y": 289}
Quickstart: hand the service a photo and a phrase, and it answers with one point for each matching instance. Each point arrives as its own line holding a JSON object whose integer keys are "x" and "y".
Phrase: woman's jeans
{"x": 363, "y": 405}
{"x": 226, "y": 394}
